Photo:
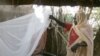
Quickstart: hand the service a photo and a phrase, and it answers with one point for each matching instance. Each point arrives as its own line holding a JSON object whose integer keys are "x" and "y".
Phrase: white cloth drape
{"x": 20, "y": 36}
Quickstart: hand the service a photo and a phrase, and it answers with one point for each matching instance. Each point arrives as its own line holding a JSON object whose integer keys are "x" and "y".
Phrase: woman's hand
{"x": 75, "y": 47}
{"x": 83, "y": 44}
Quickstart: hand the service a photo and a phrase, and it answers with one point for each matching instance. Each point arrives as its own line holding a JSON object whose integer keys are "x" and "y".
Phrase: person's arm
{"x": 59, "y": 22}
{"x": 83, "y": 44}
{"x": 76, "y": 46}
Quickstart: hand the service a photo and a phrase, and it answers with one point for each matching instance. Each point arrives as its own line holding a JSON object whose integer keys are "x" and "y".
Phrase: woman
{"x": 80, "y": 41}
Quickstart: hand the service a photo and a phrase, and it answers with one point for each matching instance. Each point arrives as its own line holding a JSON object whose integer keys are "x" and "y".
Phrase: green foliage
{"x": 96, "y": 15}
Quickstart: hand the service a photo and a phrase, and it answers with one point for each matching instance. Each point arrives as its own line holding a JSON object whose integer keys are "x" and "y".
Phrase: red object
{"x": 73, "y": 37}
{"x": 67, "y": 27}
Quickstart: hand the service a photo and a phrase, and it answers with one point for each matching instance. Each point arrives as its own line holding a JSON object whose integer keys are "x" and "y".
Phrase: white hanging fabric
{"x": 20, "y": 36}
